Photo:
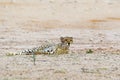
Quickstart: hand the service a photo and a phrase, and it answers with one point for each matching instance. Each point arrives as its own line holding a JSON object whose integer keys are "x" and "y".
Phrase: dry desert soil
{"x": 93, "y": 24}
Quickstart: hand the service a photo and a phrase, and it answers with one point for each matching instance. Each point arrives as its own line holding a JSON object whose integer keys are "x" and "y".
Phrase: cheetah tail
{"x": 12, "y": 54}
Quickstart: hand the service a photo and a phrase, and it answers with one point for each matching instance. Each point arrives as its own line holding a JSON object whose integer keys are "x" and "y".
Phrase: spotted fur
{"x": 61, "y": 48}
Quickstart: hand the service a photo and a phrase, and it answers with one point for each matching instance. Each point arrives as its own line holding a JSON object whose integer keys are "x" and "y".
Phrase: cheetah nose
{"x": 68, "y": 43}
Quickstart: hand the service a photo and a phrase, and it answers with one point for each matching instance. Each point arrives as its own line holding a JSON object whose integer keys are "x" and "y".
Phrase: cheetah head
{"x": 66, "y": 40}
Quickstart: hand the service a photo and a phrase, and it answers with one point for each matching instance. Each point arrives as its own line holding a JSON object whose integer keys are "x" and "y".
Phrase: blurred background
{"x": 82, "y": 14}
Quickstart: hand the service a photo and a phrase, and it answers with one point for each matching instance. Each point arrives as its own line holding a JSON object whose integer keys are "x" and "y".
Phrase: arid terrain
{"x": 94, "y": 25}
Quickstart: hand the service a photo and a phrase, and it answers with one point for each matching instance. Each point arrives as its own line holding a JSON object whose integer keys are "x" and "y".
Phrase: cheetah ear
{"x": 61, "y": 38}
{"x": 71, "y": 37}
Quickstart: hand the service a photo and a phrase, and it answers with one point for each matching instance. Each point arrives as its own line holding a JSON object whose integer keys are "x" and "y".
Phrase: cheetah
{"x": 60, "y": 48}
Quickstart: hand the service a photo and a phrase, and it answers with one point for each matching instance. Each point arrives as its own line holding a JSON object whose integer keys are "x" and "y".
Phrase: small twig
{"x": 34, "y": 58}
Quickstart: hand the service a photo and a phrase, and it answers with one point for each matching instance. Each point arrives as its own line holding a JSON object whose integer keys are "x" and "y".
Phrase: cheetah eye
{"x": 65, "y": 39}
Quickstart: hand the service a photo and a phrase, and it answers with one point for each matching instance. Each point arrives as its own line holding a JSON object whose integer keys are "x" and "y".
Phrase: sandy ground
{"x": 93, "y": 24}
